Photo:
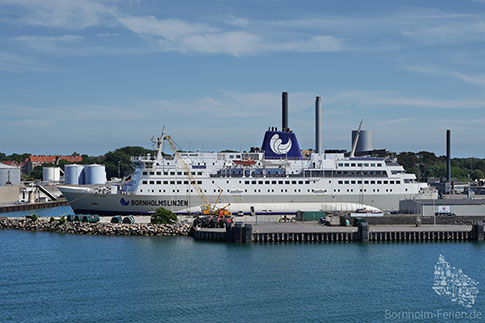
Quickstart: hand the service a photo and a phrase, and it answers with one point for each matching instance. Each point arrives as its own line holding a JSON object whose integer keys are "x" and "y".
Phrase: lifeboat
{"x": 248, "y": 162}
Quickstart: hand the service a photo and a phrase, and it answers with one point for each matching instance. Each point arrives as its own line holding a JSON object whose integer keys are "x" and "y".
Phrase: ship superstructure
{"x": 275, "y": 179}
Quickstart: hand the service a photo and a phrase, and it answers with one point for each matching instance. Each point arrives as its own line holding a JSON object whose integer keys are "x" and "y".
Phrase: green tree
{"x": 477, "y": 174}
{"x": 163, "y": 216}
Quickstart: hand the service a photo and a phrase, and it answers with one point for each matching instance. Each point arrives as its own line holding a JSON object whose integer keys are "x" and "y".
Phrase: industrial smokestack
{"x": 318, "y": 124}
{"x": 448, "y": 156}
{"x": 285, "y": 111}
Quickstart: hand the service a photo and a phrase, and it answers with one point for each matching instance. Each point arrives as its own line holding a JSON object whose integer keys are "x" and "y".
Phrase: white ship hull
{"x": 83, "y": 202}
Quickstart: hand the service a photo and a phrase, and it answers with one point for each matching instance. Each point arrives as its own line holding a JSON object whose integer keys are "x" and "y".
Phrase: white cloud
{"x": 170, "y": 29}
{"x": 67, "y": 14}
{"x": 471, "y": 79}
{"x": 10, "y": 62}
{"x": 394, "y": 99}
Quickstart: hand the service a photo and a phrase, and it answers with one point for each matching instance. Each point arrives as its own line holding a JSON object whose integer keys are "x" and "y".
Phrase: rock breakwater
{"x": 107, "y": 229}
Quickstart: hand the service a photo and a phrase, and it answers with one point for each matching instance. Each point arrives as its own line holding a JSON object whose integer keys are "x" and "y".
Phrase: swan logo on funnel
{"x": 277, "y": 145}
{"x": 124, "y": 202}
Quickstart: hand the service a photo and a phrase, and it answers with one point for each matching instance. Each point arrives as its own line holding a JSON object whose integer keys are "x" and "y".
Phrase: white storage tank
{"x": 74, "y": 174}
{"x": 9, "y": 174}
{"x": 94, "y": 174}
{"x": 51, "y": 174}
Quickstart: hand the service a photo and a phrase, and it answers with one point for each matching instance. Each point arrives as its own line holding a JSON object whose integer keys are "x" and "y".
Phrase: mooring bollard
{"x": 364, "y": 231}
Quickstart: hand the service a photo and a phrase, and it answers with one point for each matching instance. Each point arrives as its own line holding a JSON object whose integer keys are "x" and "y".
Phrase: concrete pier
{"x": 296, "y": 233}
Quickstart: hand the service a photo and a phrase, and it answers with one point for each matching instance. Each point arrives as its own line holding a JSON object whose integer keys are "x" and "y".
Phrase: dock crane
{"x": 207, "y": 208}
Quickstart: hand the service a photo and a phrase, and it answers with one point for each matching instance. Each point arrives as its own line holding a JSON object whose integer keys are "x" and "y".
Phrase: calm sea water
{"x": 50, "y": 277}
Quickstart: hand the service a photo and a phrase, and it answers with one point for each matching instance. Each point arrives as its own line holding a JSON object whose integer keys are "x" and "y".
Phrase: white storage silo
{"x": 9, "y": 174}
{"x": 94, "y": 174}
{"x": 51, "y": 174}
{"x": 74, "y": 174}
{"x": 366, "y": 140}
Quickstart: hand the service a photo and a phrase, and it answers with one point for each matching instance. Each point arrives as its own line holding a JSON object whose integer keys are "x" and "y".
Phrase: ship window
{"x": 227, "y": 182}
{"x": 280, "y": 182}
{"x": 152, "y": 173}
{"x": 287, "y": 182}
{"x": 266, "y": 182}
{"x": 340, "y": 164}
{"x": 385, "y": 182}
{"x": 253, "y": 182}
{"x": 340, "y": 182}
{"x": 293, "y": 182}
{"x": 142, "y": 190}
{"x": 159, "y": 191}
{"x": 366, "y": 165}
{"x": 172, "y": 173}
{"x": 145, "y": 173}
{"x": 366, "y": 182}
{"x": 159, "y": 182}
{"x": 172, "y": 182}
{"x": 246, "y": 191}
{"x": 308, "y": 182}
{"x": 199, "y": 173}
{"x": 179, "y": 182}
{"x": 273, "y": 182}
{"x": 372, "y": 165}
{"x": 159, "y": 173}
{"x": 398, "y": 182}
{"x": 359, "y": 165}
{"x": 372, "y": 182}
{"x": 193, "y": 173}
{"x": 199, "y": 182}
{"x": 359, "y": 182}
{"x": 300, "y": 182}
{"x": 186, "y": 182}
{"x": 165, "y": 182}
{"x": 246, "y": 182}
{"x": 165, "y": 173}
{"x": 231, "y": 156}
{"x": 379, "y": 182}
{"x": 346, "y": 165}
{"x": 352, "y": 182}
{"x": 145, "y": 182}
{"x": 406, "y": 189}
{"x": 346, "y": 182}
{"x": 260, "y": 182}
{"x": 179, "y": 173}
{"x": 391, "y": 182}
{"x": 352, "y": 165}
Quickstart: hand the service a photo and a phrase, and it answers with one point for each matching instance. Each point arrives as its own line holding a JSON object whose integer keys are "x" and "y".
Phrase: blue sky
{"x": 92, "y": 76}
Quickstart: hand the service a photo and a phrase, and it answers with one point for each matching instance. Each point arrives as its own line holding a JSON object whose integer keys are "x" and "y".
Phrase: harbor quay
{"x": 290, "y": 232}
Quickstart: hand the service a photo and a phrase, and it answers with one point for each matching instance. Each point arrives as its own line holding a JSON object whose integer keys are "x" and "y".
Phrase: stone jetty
{"x": 107, "y": 229}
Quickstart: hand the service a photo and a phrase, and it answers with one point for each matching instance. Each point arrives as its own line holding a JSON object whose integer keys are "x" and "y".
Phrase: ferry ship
{"x": 273, "y": 179}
